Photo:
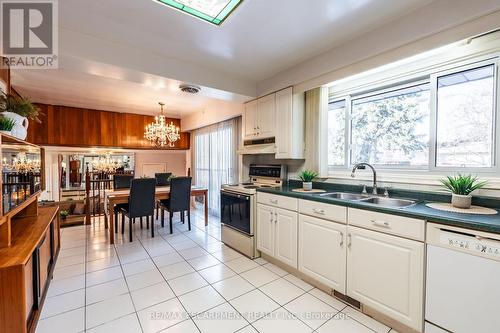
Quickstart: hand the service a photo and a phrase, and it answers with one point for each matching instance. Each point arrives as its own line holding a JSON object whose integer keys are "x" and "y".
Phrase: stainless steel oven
{"x": 239, "y": 207}
{"x": 236, "y": 211}
{"x": 238, "y": 221}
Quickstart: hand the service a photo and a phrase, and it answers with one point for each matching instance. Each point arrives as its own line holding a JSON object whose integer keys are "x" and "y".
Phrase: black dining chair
{"x": 162, "y": 179}
{"x": 120, "y": 182}
{"x": 141, "y": 203}
{"x": 179, "y": 200}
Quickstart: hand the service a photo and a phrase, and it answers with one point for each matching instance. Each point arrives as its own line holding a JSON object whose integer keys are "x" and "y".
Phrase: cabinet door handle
{"x": 382, "y": 224}
{"x": 349, "y": 240}
{"x": 319, "y": 211}
{"x": 273, "y": 201}
{"x": 341, "y": 239}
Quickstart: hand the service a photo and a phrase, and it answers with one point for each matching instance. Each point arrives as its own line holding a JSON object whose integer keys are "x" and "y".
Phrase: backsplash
{"x": 419, "y": 194}
{"x": 294, "y": 166}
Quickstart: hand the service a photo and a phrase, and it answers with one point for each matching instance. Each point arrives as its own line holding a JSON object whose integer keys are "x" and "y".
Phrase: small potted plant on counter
{"x": 307, "y": 177}
{"x": 461, "y": 188}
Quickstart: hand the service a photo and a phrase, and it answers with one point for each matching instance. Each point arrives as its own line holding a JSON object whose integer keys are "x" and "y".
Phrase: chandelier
{"x": 160, "y": 133}
{"x": 106, "y": 164}
{"x": 21, "y": 164}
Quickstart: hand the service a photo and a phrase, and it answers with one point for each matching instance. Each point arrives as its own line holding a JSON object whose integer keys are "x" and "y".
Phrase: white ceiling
{"x": 126, "y": 55}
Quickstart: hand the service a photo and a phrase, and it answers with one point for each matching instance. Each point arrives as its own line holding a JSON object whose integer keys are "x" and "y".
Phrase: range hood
{"x": 260, "y": 146}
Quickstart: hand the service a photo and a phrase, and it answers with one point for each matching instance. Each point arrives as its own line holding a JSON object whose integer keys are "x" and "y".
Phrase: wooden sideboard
{"x": 29, "y": 236}
{"x": 26, "y": 269}
{"x": 77, "y": 127}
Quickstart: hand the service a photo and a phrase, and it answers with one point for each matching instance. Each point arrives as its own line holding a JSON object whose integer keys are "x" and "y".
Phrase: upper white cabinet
{"x": 386, "y": 273}
{"x": 290, "y": 117}
{"x": 279, "y": 115}
{"x": 259, "y": 118}
{"x": 250, "y": 120}
{"x": 266, "y": 115}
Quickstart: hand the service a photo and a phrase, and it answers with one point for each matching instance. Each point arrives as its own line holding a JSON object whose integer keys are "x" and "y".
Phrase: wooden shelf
{"x": 26, "y": 234}
{"x": 28, "y": 208}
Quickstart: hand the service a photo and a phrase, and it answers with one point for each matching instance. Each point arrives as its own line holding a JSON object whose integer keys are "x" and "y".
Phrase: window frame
{"x": 431, "y": 77}
{"x": 347, "y": 144}
{"x": 496, "y": 120}
{"x": 394, "y": 87}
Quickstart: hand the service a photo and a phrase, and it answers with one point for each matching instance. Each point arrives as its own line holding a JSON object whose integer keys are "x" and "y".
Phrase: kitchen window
{"x": 438, "y": 121}
{"x": 392, "y": 128}
{"x": 466, "y": 118}
{"x": 336, "y": 133}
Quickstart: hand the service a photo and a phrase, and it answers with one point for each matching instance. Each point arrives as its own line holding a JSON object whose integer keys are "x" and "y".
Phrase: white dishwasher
{"x": 463, "y": 281}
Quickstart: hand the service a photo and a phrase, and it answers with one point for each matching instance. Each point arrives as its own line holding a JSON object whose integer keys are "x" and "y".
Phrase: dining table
{"x": 121, "y": 196}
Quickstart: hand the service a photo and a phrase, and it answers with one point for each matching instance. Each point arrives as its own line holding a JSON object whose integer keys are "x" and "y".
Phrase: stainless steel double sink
{"x": 376, "y": 200}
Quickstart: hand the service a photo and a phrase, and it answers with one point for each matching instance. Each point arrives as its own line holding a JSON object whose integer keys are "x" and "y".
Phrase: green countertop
{"x": 487, "y": 223}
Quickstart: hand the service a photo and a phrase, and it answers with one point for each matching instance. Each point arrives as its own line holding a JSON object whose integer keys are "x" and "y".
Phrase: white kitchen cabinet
{"x": 285, "y": 248}
{"x": 322, "y": 251}
{"x": 289, "y": 135}
{"x": 277, "y": 233}
{"x": 266, "y": 114}
{"x": 265, "y": 229}
{"x": 250, "y": 120}
{"x": 386, "y": 273}
{"x": 259, "y": 118}
{"x": 280, "y": 115}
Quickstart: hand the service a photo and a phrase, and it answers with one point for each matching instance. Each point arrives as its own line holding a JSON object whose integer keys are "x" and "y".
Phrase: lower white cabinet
{"x": 285, "y": 246}
{"x": 386, "y": 273}
{"x": 265, "y": 229}
{"x": 322, "y": 251}
{"x": 277, "y": 233}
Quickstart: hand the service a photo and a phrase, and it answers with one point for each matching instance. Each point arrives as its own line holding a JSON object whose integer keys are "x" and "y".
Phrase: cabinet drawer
{"x": 279, "y": 201}
{"x": 387, "y": 223}
{"x": 323, "y": 210}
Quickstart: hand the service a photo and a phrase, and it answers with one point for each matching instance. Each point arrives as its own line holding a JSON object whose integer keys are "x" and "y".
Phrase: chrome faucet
{"x": 363, "y": 166}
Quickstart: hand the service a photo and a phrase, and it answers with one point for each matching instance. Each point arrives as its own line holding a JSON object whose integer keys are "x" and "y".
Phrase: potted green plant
{"x": 6, "y": 125}
{"x": 19, "y": 109}
{"x": 307, "y": 177}
{"x": 461, "y": 188}
{"x": 64, "y": 214}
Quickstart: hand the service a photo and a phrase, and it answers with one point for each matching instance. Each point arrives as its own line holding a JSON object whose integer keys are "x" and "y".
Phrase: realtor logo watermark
{"x": 29, "y": 34}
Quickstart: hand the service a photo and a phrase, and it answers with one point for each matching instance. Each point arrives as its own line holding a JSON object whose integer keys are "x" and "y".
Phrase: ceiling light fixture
{"x": 213, "y": 11}
{"x": 160, "y": 133}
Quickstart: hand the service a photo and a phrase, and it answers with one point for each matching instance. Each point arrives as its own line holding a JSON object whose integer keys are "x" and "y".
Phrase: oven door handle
{"x": 235, "y": 195}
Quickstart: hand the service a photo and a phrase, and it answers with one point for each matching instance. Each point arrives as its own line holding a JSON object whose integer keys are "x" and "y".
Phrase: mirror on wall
{"x": 21, "y": 172}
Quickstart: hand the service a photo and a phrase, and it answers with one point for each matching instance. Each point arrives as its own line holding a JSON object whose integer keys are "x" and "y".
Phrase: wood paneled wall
{"x": 69, "y": 126}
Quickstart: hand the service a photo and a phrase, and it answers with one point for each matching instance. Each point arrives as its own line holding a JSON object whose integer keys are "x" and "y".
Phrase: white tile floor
{"x": 185, "y": 282}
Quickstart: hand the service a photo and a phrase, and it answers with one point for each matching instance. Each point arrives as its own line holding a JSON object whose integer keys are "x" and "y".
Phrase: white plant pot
{"x": 307, "y": 186}
{"x": 461, "y": 201}
{"x": 6, "y": 132}
{"x": 20, "y": 129}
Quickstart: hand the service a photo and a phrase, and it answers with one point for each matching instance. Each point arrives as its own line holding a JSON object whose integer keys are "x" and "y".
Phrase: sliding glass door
{"x": 215, "y": 161}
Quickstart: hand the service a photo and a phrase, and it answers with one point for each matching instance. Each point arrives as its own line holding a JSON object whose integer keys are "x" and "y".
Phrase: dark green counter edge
{"x": 487, "y": 223}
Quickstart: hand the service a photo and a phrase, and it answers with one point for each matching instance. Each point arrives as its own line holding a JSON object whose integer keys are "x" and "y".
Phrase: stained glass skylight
{"x": 213, "y": 11}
